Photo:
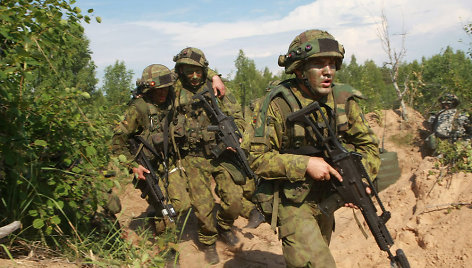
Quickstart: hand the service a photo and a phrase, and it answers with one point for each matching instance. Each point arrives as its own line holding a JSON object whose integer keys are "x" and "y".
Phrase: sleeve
{"x": 123, "y": 131}
{"x": 231, "y": 107}
{"x": 264, "y": 152}
{"x": 211, "y": 73}
{"x": 361, "y": 136}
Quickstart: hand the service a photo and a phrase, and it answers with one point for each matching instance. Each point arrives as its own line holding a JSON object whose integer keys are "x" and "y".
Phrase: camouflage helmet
{"x": 192, "y": 56}
{"x": 155, "y": 76}
{"x": 311, "y": 44}
{"x": 449, "y": 99}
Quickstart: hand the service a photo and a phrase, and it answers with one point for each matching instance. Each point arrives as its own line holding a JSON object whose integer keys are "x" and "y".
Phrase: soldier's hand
{"x": 318, "y": 169}
{"x": 139, "y": 172}
{"x": 218, "y": 86}
{"x": 232, "y": 149}
{"x": 351, "y": 205}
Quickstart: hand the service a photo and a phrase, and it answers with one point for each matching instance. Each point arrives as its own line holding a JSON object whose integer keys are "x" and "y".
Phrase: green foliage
{"x": 53, "y": 142}
{"x": 457, "y": 155}
{"x": 117, "y": 86}
{"x": 468, "y": 29}
{"x": 249, "y": 83}
{"x": 448, "y": 72}
{"x": 372, "y": 81}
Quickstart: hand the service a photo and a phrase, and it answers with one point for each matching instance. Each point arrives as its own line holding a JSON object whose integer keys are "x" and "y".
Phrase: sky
{"x": 144, "y": 32}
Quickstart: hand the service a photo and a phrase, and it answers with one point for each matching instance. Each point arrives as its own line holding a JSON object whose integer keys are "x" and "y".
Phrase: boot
{"x": 211, "y": 256}
{"x": 255, "y": 219}
{"x": 229, "y": 238}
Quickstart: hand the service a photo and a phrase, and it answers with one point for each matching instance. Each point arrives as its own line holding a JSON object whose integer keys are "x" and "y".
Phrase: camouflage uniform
{"x": 304, "y": 230}
{"x": 144, "y": 118}
{"x": 449, "y": 123}
{"x": 197, "y": 159}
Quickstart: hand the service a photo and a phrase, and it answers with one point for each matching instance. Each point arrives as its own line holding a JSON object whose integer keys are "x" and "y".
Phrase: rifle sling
{"x": 275, "y": 206}
{"x": 364, "y": 233}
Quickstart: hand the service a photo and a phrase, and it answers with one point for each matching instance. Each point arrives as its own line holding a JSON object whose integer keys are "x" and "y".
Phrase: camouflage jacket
{"x": 449, "y": 124}
{"x": 191, "y": 120}
{"x": 140, "y": 118}
{"x": 266, "y": 153}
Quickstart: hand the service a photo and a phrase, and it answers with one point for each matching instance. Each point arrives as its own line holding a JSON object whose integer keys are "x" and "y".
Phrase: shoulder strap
{"x": 283, "y": 90}
{"x": 342, "y": 93}
{"x": 141, "y": 106}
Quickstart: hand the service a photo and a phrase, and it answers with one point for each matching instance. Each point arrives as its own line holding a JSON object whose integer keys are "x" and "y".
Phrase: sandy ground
{"x": 427, "y": 221}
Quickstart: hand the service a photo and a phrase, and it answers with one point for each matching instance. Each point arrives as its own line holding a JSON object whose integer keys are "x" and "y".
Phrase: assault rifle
{"x": 225, "y": 129}
{"x": 150, "y": 187}
{"x": 352, "y": 189}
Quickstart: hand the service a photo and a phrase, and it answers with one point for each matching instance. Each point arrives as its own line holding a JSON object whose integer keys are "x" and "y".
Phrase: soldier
{"x": 293, "y": 182}
{"x": 197, "y": 159}
{"x": 146, "y": 116}
{"x": 449, "y": 122}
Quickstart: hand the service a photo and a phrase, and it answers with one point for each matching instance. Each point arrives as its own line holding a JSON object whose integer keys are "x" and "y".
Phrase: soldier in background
{"x": 199, "y": 163}
{"x": 449, "y": 123}
{"x": 294, "y": 181}
{"x": 146, "y": 116}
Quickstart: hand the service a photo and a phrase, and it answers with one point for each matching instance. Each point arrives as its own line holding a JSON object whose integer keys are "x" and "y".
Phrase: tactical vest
{"x": 152, "y": 121}
{"x": 192, "y": 119}
{"x": 284, "y": 100}
{"x": 294, "y": 139}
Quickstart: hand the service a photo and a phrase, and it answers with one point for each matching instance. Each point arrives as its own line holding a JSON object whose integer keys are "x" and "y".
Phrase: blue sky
{"x": 145, "y": 32}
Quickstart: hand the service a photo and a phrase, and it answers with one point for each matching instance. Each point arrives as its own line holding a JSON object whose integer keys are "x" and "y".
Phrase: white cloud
{"x": 430, "y": 26}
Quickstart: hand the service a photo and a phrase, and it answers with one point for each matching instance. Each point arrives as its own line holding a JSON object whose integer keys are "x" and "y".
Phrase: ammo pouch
{"x": 264, "y": 196}
{"x": 237, "y": 174}
{"x": 297, "y": 191}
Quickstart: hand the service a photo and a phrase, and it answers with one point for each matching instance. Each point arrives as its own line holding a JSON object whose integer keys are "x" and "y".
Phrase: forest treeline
{"x": 56, "y": 123}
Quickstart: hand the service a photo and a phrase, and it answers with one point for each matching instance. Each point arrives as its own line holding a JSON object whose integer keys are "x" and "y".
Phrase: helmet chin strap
{"x": 304, "y": 81}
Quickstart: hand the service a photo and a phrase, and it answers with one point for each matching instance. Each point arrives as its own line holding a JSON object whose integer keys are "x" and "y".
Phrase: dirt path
{"x": 427, "y": 222}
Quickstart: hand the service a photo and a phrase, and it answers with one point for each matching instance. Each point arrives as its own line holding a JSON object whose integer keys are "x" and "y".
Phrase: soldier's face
{"x": 159, "y": 95}
{"x": 320, "y": 73}
{"x": 193, "y": 74}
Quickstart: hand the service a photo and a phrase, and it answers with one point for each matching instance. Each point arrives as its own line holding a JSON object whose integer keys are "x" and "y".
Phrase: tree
{"x": 394, "y": 60}
{"x": 468, "y": 29}
{"x": 117, "y": 85}
{"x": 249, "y": 83}
{"x": 448, "y": 72}
{"x": 51, "y": 149}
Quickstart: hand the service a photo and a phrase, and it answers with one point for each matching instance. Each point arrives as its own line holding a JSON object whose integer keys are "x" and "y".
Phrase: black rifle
{"x": 225, "y": 128}
{"x": 151, "y": 190}
{"x": 352, "y": 189}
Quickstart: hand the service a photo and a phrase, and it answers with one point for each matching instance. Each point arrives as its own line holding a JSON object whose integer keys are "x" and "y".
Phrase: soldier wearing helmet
{"x": 293, "y": 181}
{"x": 196, "y": 147}
{"x": 449, "y": 123}
{"x": 147, "y": 116}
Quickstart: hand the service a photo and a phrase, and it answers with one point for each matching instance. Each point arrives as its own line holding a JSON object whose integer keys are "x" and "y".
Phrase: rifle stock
{"x": 353, "y": 187}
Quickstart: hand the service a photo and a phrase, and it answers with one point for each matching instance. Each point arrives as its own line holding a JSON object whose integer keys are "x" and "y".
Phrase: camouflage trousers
{"x": 178, "y": 190}
{"x": 305, "y": 234}
{"x": 199, "y": 171}
{"x": 248, "y": 190}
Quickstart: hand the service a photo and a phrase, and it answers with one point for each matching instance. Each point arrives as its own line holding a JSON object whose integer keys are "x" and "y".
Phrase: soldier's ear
{"x": 299, "y": 74}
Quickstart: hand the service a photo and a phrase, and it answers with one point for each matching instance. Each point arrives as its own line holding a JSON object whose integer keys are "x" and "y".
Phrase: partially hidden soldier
{"x": 145, "y": 119}
{"x": 294, "y": 180}
{"x": 197, "y": 159}
{"x": 449, "y": 123}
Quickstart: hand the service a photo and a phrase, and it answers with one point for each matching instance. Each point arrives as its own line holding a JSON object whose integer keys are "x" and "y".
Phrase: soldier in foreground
{"x": 196, "y": 149}
{"x": 294, "y": 181}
